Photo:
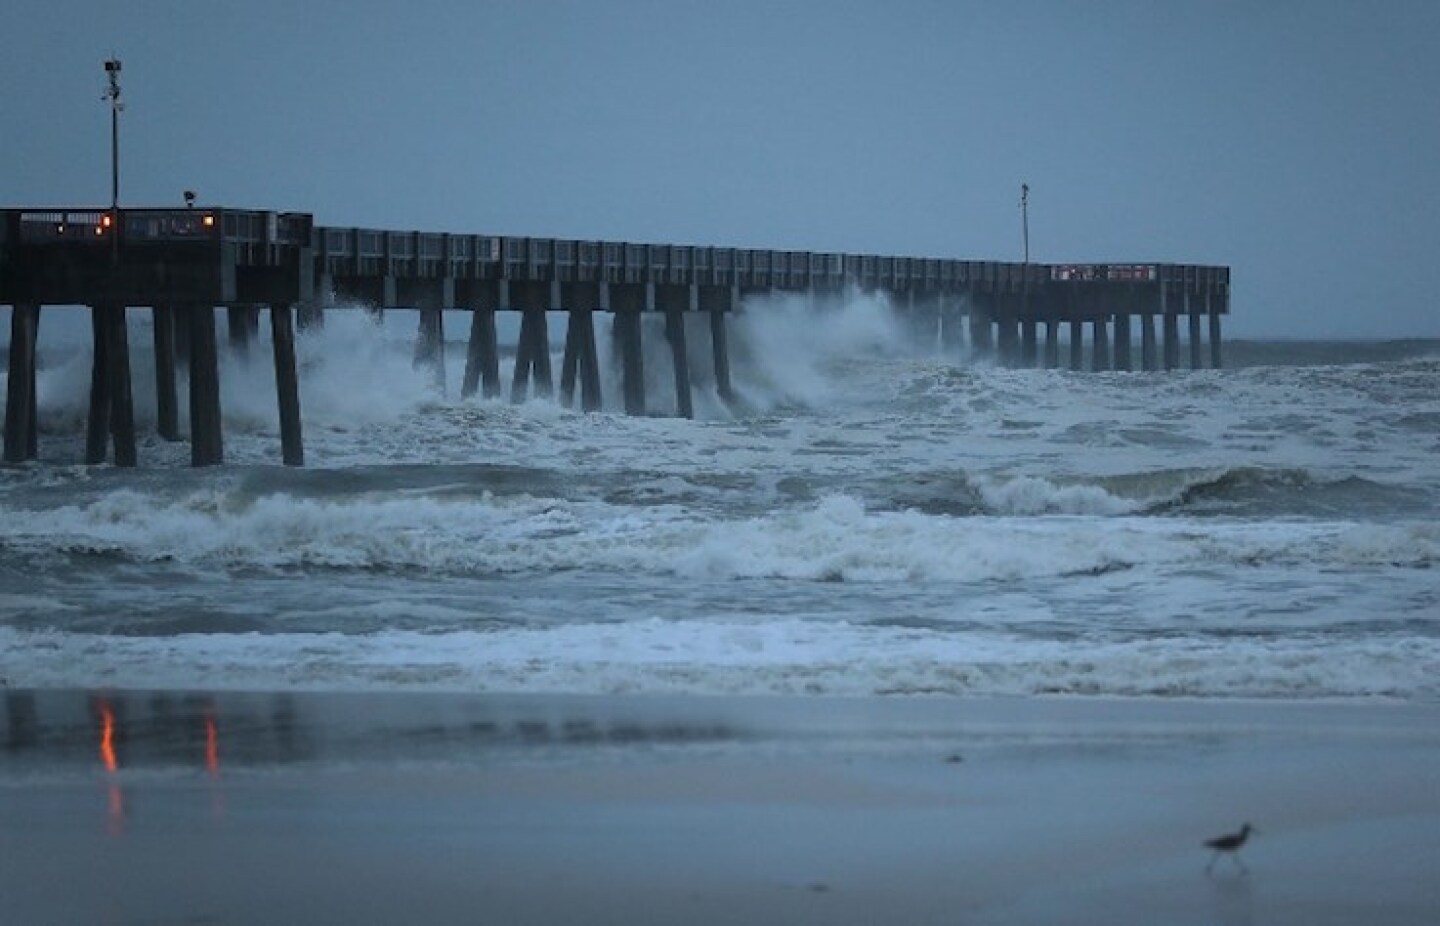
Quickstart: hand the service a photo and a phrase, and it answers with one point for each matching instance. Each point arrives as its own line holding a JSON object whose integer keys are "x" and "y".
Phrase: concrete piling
{"x": 632, "y": 360}
{"x": 206, "y": 437}
{"x": 21, "y": 429}
{"x": 482, "y": 356}
{"x": 287, "y": 384}
{"x": 1215, "y": 340}
{"x": 167, "y": 416}
{"x": 1122, "y": 359}
{"x": 532, "y": 358}
{"x": 1100, "y": 345}
{"x": 675, "y": 335}
{"x": 1195, "y": 352}
{"x": 1147, "y": 342}
{"x": 430, "y": 345}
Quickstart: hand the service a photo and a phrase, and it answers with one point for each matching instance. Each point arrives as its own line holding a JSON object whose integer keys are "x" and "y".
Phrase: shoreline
{"x": 376, "y": 808}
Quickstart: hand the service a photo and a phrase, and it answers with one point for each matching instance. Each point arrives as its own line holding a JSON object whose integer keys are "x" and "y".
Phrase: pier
{"x": 183, "y": 265}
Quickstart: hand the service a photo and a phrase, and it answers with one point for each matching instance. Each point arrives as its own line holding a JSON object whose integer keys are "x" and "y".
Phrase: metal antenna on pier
{"x": 1025, "y": 217}
{"x": 112, "y": 94}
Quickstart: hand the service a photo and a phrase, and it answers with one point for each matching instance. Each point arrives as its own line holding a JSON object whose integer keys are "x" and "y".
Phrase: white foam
{"x": 778, "y": 656}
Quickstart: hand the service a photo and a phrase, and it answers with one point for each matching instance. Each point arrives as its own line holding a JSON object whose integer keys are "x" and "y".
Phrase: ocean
{"x": 870, "y": 518}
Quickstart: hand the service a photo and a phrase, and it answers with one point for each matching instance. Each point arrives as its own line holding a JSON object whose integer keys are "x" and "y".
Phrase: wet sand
{"x": 225, "y": 808}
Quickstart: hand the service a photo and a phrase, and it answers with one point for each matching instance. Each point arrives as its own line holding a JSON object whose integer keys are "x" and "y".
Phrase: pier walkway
{"x": 183, "y": 264}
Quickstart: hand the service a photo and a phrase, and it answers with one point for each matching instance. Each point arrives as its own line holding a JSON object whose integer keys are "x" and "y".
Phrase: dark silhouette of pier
{"x": 183, "y": 264}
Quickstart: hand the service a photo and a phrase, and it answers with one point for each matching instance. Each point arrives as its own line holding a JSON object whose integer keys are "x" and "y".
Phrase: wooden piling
{"x": 167, "y": 417}
{"x": 206, "y": 438}
{"x": 20, "y": 403}
{"x": 122, "y": 406}
{"x": 675, "y": 335}
{"x": 287, "y": 385}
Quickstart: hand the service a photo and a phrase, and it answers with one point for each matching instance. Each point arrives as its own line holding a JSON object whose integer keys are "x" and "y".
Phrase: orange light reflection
{"x": 212, "y": 747}
{"x": 107, "y": 737}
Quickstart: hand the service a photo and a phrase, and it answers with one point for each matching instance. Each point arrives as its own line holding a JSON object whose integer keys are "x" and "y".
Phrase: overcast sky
{"x": 1297, "y": 142}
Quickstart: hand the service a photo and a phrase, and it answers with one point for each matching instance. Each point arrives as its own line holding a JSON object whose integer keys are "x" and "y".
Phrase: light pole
{"x": 1025, "y": 218}
{"x": 112, "y": 94}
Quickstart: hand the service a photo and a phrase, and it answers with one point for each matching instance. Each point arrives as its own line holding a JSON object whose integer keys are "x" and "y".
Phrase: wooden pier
{"x": 184, "y": 264}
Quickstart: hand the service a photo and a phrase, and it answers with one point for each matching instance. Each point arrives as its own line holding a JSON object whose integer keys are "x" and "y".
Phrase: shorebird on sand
{"x": 1231, "y": 843}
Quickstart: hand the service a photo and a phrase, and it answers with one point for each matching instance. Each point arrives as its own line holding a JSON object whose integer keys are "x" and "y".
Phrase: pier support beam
{"x": 981, "y": 342}
{"x": 675, "y": 334}
{"x": 1052, "y": 343}
{"x": 287, "y": 385}
{"x": 167, "y": 415}
{"x": 1147, "y": 342}
{"x": 1122, "y": 342}
{"x": 1196, "y": 362}
{"x": 112, "y": 409}
{"x": 1214, "y": 340}
{"x": 243, "y": 322}
{"x": 532, "y": 358}
{"x": 720, "y": 355}
{"x": 1100, "y": 354}
{"x": 1171, "y": 347}
{"x": 430, "y": 345}
{"x": 1009, "y": 340}
{"x": 1077, "y": 345}
{"x": 1029, "y": 343}
{"x": 632, "y": 360}
{"x": 580, "y": 360}
{"x": 21, "y": 435}
{"x": 206, "y": 439}
{"x": 482, "y": 356}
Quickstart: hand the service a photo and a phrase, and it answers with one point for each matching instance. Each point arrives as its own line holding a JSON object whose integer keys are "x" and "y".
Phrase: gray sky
{"x": 1297, "y": 142}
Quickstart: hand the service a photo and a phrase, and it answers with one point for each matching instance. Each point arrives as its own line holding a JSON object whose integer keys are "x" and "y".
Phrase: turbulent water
{"x": 871, "y": 518}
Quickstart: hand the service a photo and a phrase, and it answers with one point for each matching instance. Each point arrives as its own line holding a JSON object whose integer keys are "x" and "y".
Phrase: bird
{"x": 1231, "y": 843}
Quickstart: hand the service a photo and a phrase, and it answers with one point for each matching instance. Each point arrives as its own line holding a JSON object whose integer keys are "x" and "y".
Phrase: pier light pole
{"x": 1025, "y": 218}
{"x": 112, "y": 94}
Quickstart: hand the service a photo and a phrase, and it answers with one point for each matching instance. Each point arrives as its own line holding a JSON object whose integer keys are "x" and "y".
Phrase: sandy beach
{"x": 135, "y": 808}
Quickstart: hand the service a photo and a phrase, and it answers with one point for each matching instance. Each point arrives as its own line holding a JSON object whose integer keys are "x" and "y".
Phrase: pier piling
{"x": 167, "y": 418}
{"x": 482, "y": 356}
{"x": 206, "y": 438}
{"x": 21, "y": 437}
{"x": 675, "y": 335}
{"x": 287, "y": 385}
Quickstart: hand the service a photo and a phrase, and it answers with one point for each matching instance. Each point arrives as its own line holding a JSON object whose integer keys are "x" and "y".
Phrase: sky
{"x": 1296, "y": 142}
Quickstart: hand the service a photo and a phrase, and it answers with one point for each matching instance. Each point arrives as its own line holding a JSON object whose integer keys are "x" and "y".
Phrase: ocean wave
{"x": 790, "y": 657}
{"x": 837, "y": 538}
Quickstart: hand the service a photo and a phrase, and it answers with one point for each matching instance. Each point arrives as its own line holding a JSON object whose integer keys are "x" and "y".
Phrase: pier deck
{"x": 184, "y": 263}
